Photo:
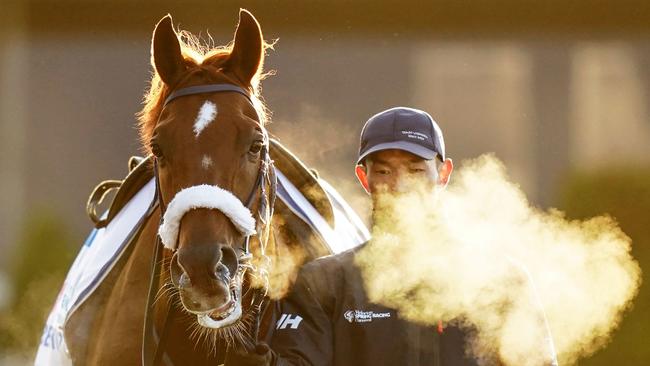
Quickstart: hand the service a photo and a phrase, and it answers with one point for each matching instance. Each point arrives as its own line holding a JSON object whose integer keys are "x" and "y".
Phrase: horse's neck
{"x": 116, "y": 320}
{"x": 120, "y": 319}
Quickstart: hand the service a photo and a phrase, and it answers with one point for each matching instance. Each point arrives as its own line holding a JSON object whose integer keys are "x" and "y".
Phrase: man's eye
{"x": 382, "y": 171}
{"x": 417, "y": 170}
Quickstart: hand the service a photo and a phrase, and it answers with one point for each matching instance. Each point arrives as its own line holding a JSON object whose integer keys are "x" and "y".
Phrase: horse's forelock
{"x": 195, "y": 53}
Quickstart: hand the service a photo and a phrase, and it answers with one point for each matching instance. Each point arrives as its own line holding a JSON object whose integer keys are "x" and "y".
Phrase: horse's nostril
{"x": 229, "y": 259}
{"x": 204, "y": 266}
{"x": 184, "y": 281}
{"x": 176, "y": 271}
{"x": 222, "y": 272}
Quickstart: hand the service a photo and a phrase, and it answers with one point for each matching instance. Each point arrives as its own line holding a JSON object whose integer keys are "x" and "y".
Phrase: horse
{"x": 220, "y": 240}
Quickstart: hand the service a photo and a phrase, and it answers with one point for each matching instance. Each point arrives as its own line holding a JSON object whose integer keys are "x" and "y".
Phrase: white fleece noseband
{"x": 204, "y": 196}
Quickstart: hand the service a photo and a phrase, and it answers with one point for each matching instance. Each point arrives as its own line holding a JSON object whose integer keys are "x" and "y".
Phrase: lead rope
{"x": 151, "y": 354}
{"x": 259, "y": 299}
{"x": 265, "y": 213}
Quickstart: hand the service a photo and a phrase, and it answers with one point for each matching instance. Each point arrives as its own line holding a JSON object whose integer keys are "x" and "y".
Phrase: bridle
{"x": 152, "y": 353}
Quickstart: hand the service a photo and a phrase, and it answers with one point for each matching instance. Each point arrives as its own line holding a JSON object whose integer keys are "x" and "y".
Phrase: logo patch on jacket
{"x": 286, "y": 320}
{"x": 361, "y": 316}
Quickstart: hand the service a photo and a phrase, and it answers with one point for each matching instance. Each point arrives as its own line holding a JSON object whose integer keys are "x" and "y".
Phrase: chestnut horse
{"x": 204, "y": 125}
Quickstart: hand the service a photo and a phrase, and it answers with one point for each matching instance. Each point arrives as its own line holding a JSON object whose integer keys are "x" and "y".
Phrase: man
{"x": 327, "y": 318}
{"x": 323, "y": 315}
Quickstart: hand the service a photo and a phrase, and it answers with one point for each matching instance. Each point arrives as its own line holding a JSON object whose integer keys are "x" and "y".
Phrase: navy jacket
{"x": 327, "y": 319}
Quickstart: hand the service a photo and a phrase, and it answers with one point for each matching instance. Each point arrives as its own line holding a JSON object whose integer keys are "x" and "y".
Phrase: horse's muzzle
{"x": 203, "y": 275}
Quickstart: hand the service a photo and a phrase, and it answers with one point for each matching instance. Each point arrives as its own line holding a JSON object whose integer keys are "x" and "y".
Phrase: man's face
{"x": 397, "y": 171}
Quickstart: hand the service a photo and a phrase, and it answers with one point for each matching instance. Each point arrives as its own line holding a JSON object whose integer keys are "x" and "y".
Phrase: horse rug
{"x": 104, "y": 246}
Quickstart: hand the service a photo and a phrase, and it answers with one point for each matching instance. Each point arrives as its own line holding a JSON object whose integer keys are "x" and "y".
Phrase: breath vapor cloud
{"x": 479, "y": 255}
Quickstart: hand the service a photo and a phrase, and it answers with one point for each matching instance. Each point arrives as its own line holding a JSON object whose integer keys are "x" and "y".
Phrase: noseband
{"x": 152, "y": 353}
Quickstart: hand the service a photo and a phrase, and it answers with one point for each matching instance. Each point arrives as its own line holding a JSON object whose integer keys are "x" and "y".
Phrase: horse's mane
{"x": 195, "y": 53}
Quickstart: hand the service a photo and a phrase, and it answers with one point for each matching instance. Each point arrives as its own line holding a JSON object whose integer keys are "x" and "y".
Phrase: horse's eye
{"x": 256, "y": 147}
{"x": 156, "y": 150}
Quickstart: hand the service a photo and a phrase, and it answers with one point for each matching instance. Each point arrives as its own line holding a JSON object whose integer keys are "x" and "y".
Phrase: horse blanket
{"x": 104, "y": 246}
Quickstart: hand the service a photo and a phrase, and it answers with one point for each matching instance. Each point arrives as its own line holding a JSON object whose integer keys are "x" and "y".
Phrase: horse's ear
{"x": 247, "y": 52}
{"x": 166, "y": 55}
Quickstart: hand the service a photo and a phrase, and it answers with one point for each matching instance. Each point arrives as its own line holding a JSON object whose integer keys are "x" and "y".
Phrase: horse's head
{"x": 205, "y": 126}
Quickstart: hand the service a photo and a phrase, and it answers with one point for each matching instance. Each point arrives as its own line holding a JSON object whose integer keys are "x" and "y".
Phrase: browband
{"x": 208, "y": 88}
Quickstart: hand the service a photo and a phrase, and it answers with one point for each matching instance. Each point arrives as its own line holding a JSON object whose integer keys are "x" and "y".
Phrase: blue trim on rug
{"x": 90, "y": 238}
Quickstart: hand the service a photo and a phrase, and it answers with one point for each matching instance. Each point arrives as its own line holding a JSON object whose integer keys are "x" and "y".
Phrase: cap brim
{"x": 415, "y": 149}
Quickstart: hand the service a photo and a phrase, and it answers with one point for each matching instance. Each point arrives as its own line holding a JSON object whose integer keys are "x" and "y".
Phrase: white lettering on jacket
{"x": 361, "y": 316}
{"x": 287, "y": 321}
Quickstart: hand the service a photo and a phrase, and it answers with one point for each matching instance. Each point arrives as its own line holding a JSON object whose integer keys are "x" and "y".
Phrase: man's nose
{"x": 400, "y": 186}
{"x": 412, "y": 182}
{"x": 402, "y": 182}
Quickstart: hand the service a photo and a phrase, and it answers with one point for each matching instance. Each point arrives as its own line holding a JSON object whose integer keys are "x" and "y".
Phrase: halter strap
{"x": 208, "y": 88}
{"x": 265, "y": 163}
{"x": 152, "y": 353}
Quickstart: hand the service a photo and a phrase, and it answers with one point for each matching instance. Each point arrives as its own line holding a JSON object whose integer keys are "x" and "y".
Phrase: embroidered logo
{"x": 415, "y": 135}
{"x": 287, "y": 321}
{"x": 360, "y": 316}
{"x": 349, "y": 316}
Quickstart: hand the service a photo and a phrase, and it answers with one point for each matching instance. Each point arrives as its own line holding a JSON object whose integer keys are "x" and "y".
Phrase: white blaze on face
{"x": 206, "y": 162}
{"x": 207, "y": 114}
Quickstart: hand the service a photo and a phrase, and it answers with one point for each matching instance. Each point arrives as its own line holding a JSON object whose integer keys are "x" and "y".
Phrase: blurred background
{"x": 558, "y": 90}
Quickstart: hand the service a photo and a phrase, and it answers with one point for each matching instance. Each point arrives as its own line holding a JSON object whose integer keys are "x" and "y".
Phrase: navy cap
{"x": 405, "y": 129}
